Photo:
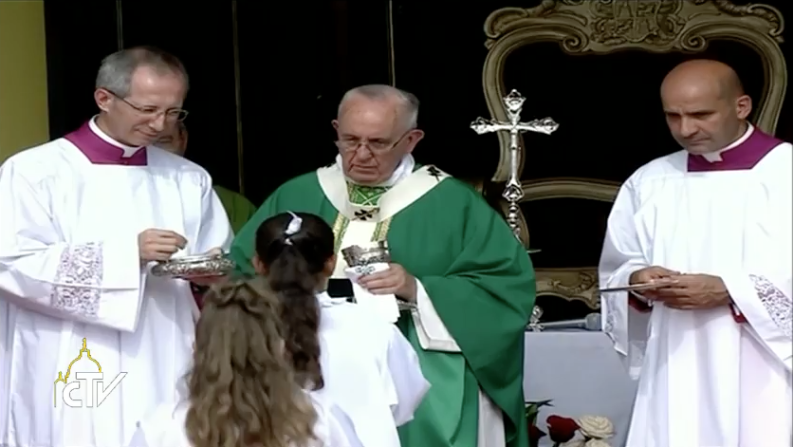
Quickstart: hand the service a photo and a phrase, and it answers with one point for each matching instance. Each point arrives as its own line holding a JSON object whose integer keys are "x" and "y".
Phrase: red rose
{"x": 561, "y": 429}
{"x": 534, "y": 435}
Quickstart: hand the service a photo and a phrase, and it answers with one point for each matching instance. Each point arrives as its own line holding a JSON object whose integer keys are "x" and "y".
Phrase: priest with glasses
{"x": 84, "y": 217}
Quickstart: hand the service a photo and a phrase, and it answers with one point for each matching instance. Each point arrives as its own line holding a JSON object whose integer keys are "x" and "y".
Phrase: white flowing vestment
{"x": 165, "y": 427}
{"x": 371, "y": 373}
{"x": 70, "y": 269}
{"x": 705, "y": 380}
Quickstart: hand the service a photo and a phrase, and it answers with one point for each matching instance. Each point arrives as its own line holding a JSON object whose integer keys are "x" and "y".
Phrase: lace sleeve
{"x": 763, "y": 303}
{"x": 776, "y": 303}
{"x": 78, "y": 280}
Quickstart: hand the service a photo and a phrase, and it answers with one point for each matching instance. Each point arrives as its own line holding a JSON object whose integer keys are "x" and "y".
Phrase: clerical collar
{"x": 716, "y": 156}
{"x": 129, "y": 151}
{"x": 402, "y": 171}
{"x": 100, "y": 148}
{"x": 743, "y": 154}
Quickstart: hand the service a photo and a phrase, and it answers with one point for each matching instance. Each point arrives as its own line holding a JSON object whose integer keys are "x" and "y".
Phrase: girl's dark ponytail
{"x": 294, "y": 265}
{"x": 289, "y": 276}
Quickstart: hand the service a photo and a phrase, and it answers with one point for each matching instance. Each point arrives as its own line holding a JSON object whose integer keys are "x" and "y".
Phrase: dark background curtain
{"x": 267, "y": 78}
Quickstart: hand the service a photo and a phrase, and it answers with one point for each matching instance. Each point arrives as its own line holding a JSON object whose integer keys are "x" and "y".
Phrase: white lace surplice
{"x": 69, "y": 270}
{"x": 707, "y": 380}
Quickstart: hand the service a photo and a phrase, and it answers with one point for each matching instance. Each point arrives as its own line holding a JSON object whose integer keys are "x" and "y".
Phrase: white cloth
{"x": 705, "y": 379}
{"x": 371, "y": 371}
{"x": 384, "y": 306}
{"x": 69, "y": 270}
{"x": 165, "y": 427}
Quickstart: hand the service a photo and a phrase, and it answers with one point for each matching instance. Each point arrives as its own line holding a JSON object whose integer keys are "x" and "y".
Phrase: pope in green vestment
{"x": 474, "y": 281}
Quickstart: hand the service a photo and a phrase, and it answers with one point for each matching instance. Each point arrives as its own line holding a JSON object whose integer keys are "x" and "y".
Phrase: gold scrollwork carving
{"x": 608, "y": 26}
{"x": 571, "y": 285}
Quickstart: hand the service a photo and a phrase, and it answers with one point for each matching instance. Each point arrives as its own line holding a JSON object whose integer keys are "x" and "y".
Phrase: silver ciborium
{"x": 362, "y": 260}
{"x": 199, "y": 266}
{"x": 374, "y": 253}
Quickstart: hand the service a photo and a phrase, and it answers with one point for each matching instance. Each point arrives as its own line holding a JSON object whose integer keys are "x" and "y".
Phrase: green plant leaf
{"x": 533, "y": 409}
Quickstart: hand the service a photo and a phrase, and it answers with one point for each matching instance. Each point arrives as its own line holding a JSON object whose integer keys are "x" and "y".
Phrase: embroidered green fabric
{"x": 365, "y": 195}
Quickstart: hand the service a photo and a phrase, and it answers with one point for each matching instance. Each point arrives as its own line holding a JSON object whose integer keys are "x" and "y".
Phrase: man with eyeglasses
{"x": 84, "y": 216}
{"x": 453, "y": 257}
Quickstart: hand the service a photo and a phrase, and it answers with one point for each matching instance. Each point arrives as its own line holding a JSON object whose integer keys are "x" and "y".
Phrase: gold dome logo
{"x": 94, "y": 391}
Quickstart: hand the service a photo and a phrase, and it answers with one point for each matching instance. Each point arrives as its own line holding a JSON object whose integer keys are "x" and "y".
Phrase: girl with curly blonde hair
{"x": 241, "y": 390}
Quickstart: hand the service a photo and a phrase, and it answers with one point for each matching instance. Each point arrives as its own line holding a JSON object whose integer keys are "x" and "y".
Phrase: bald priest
{"x": 711, "y": 223}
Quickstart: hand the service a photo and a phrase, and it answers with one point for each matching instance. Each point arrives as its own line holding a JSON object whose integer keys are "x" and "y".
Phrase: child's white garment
{"x": 165, "y": 427}
{"x": 371, "y": 372}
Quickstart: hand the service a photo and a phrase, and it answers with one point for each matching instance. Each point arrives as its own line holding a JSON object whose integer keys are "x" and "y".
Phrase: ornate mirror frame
{"x": 602, "y": 27}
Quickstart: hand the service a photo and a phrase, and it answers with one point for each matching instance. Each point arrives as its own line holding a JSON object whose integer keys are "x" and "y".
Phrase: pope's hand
{"x": 159, "y": 245}
{"x": 394, "y": 281}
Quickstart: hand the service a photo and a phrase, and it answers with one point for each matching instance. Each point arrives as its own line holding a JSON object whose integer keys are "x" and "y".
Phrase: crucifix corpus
{"x": 513, "y": 192}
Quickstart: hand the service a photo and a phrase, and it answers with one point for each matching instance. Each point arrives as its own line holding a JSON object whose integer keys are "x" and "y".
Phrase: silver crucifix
{"x": 513, "y": 191}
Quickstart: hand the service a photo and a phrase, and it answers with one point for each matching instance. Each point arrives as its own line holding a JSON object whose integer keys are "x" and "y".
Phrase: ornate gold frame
{"x": 608, "y": 26}
{"x": 587, "y": 27}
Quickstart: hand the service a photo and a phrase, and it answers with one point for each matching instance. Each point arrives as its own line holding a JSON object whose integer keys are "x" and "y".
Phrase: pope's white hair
{"x": 408, "y": 101}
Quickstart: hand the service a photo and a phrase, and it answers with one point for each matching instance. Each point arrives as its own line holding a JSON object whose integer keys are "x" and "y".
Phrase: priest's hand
{"x": 214, "y": 252}
{"x": 649, "y": 275}
{"x": 159, "y": 245}
{"x": 394, "y": 281}
{"x": 694, "y": 292}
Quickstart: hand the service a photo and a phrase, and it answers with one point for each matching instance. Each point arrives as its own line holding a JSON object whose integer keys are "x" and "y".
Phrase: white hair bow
{"x": 293, "y": 227}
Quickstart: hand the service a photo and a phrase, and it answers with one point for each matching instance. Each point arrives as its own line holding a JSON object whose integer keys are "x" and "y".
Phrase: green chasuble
{"x": 477, "y": 276}
{"x": 238, "y": 208}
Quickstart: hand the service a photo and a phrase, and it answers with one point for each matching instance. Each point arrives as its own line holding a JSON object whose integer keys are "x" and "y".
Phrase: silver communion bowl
{"x": 199, "y": 266}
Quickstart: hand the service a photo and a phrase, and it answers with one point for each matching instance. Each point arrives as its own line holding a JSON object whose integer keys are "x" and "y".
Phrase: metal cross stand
{"x": 513, "y": 191}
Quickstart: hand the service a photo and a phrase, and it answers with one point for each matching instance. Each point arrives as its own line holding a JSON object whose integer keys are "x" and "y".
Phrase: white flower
{"x": 597, "y": 427}
{"x": 573, "y": 443}
{"x": 596, "y": 443}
